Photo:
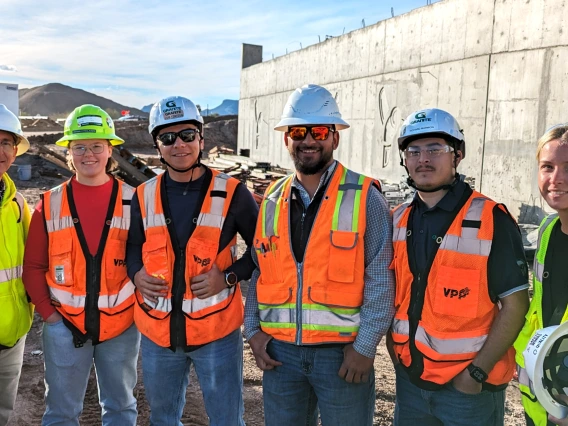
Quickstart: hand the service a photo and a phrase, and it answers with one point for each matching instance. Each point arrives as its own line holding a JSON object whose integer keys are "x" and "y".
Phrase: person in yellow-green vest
{"x": 16, "y": 312}
{"x": 550, "y": 273}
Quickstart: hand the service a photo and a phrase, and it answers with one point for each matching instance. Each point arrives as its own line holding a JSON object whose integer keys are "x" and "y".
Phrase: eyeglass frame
{"x": 418, "y": 152}
{"x": 12, "y": 143}
{"x": 88, "y": 147}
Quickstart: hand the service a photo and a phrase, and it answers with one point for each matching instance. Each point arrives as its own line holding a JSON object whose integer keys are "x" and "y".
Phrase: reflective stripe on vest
{"x": 345, "y": 218}
{"x": 466, "y": 243}
{"x": 445, "y": 346}
{"x": 10, "y": 274}
{"x": 213, "y": 219}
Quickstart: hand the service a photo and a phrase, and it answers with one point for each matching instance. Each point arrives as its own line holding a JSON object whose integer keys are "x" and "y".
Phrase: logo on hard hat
{"x": 171, "y": 104}
{"x": 420, "y": 118}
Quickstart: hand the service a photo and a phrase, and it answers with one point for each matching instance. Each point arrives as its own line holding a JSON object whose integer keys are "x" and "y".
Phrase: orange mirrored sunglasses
{"x": 299, "y": 133}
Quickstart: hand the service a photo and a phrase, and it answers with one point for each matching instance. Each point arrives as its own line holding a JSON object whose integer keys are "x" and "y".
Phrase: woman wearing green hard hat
{"x": 16, "y": 312}
{"x": 76, "y": 275}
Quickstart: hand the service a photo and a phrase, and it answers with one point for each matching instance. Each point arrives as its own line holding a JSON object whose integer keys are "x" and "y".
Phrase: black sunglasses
{"x": 169, "y": 138}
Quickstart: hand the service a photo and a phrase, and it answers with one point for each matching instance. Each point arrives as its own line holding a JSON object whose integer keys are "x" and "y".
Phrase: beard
{"x": 312, "y": 166}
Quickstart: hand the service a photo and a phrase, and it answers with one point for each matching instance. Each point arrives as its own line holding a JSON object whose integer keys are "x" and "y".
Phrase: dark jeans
{"x": 445, "y": 407}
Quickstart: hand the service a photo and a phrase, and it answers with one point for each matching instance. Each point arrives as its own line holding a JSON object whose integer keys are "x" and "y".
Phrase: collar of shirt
{"x": 2, "y": 188}
{"x": 323, "y": 181}
{"x": 448, "y": 203}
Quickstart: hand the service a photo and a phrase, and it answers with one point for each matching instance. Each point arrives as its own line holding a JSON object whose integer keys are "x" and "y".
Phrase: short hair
{"x": 552, "y": 134}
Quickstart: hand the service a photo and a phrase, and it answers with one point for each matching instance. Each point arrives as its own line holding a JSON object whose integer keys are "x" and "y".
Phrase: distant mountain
{"x": 57, "y": 101}
{"x": 147, "y": 108}
{"x": 227, "y": 107}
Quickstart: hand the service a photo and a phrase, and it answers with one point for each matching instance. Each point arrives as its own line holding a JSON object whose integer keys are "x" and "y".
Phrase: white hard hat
{"x": 308, "y": 105}
{"x": 431, "y": 121}
{"x": 10, "y": 123}
{"x": 172, "y": 110}
{"x": 546, "y": 363}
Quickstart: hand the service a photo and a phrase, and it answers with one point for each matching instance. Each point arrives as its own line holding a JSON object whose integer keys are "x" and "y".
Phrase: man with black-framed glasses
{"x": 181, "y": 256}
{"x": 461, "y": 286}
{"x": 322, "y": 295}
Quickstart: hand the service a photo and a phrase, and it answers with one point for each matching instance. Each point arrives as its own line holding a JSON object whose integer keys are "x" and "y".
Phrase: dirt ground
{"x": 29, "y": 405}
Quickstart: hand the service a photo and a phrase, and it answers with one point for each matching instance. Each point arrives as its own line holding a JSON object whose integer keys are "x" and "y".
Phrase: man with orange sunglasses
{"x": 322, "y": 295}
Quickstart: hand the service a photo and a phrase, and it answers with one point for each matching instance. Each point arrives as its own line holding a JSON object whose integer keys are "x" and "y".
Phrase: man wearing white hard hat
{"x": 16, "y": 311}
{"x": 322, "y": 295}
{"x": 461, "y": 286}
{"x": 181, "y": 256}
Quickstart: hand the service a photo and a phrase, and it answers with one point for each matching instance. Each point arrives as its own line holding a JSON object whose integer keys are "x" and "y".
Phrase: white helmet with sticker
{"x": 173, "y": 110}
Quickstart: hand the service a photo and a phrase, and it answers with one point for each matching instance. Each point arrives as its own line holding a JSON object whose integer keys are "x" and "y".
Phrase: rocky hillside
{"x": 57, "y": 100}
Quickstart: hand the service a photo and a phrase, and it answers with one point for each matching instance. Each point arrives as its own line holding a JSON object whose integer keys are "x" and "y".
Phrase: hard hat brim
{"x": 113, "y": 139}
{"x": 23, "y": 145}
{"x": 284, "y": 123}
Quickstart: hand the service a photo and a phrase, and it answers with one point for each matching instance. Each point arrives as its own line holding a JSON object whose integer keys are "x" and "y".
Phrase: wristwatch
{"x": 477, "y": 373}
{"x": 231, "y": 279}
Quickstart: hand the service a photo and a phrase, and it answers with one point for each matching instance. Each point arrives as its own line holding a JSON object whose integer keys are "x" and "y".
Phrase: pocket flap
{"x": 344, "y": 240}
{"x": 61, "y": 245}
{"x": 154, "y": 244}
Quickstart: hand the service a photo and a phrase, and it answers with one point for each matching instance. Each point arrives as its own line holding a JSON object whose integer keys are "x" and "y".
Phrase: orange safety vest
{"x": 93, "y": 293}
{"x": 206, "y": 320}
{"x": 319, "y": 300}
{"x": 457, "y": 313}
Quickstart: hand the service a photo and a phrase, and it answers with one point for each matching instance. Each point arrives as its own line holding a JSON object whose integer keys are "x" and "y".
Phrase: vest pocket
{"x": 155, "y": 257}
{"x": 269, "y": 263}
{"x": 342, "y": 254}
{"x": 61, "y": 261}
{"x": 457, "y": 292}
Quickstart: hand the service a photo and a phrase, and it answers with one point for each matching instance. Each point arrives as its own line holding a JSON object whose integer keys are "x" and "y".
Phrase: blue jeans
{"x": 219, "y": 368}
{"x": 445, "y": 407}
{"x": 67, "y": 371}
{"x": 307, "y": 380}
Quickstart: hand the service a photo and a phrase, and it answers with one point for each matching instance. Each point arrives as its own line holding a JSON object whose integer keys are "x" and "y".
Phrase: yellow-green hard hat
{"x": 89, "y": 122}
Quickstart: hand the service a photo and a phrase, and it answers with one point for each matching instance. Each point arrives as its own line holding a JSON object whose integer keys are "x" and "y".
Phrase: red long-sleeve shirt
{"x": 92, "y": 204}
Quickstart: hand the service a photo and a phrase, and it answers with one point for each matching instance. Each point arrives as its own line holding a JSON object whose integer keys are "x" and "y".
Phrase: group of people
{"x": 113, "y": 270}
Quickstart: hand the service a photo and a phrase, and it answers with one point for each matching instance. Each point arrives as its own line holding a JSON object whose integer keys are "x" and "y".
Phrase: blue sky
{"x": 137, "y": 52}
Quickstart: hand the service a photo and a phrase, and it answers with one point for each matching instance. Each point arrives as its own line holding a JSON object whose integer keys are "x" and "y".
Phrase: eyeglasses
{"x": 7, "y": 145}
{"x": 299, "y": 133}
{"x": 431, "y": 151}
{"x": 169, "y": 138}
{"x": 80, "y": 150}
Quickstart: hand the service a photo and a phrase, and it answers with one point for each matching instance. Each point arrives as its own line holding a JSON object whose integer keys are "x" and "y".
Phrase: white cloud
{"x": 136, "y": 52}
{"x": 8, "y": 68}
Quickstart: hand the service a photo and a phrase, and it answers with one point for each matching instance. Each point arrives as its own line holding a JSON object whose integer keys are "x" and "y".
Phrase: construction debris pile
{"x": 255, "y": 175}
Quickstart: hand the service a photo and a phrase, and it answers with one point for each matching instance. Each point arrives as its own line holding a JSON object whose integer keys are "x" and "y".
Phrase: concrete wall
{"x": 497, "y": 65}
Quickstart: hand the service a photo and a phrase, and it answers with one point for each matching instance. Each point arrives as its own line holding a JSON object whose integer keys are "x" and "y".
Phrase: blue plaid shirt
{"x": 377, "y": 310}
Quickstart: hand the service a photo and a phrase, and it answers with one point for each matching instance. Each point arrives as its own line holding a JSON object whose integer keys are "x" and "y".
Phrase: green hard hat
{"x": 89, "y": 122}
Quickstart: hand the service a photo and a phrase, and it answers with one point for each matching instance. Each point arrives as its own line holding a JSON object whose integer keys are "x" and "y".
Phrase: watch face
{"x": 231, "y": 278}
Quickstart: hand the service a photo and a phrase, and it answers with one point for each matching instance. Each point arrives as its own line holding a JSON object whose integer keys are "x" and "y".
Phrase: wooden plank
{"x": 131, "y": 174}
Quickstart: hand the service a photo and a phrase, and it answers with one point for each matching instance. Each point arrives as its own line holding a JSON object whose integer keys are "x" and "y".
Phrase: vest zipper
{"x": 299, "y": 306}
{"x": 92, "y": 314}
{"x": 178, "y": 291}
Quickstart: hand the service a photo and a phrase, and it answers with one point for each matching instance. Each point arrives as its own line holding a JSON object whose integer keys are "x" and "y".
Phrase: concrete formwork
{"x": 497, "y": 65}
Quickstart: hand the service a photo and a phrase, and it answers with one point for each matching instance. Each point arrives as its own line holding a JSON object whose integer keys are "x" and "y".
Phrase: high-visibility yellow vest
{"x": 16, "y": 312}
{"x": 534, "y": 322}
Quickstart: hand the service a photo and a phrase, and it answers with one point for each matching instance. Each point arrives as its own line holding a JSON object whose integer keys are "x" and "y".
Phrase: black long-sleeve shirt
{"x": 183, "y": 199}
